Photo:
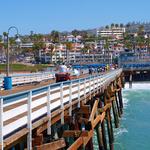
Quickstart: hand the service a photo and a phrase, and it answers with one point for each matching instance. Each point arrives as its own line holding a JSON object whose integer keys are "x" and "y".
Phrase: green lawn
{"x": 22, "y": 67}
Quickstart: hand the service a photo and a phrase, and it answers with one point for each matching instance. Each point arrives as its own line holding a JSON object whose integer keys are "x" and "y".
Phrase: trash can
{"x": 7, "y": 83}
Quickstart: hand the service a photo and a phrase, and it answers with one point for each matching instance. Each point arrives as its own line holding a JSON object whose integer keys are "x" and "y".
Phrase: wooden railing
{"x": 28, "y": 78}
{"x": 21, "y": 110}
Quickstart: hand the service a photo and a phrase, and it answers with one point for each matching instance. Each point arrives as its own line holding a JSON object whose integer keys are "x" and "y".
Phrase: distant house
{"x": 71, "y": 38}
{"x": 114, "y": 32}
{"x": 26, "y": 45}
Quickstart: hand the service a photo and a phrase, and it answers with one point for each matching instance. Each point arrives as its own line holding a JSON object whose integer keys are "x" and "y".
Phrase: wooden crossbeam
{"x": 76, "y": 144}
{"x": 94, "y": 109}
{"x": 118, "y": 89}
{"x": 107, "y": 106}
{"x": 53, "y": 145}
{"x": 15, "y": 138}
{"x": 98, "y": 119}
{"x": 75, "y": 133}
{"x": 84, "y": 109}
{"x": 111, "y": 99}
{"x": 86, "y": 139}
{"x": 43, "y": 127}
{"x": 85, "y": 120}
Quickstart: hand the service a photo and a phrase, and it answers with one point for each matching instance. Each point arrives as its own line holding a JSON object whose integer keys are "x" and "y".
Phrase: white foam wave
{"x": 123, "y": 118}
{"x": 138, "y": 85}
{"x": 125, "y": 102}
{"x": 120, "y": 131}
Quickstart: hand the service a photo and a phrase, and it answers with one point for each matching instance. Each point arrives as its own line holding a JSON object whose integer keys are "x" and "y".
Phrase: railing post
{"x": 97, "y": 84}
{"x": 79, "y": 93}
{"x": 90, "y": 88}
{"x": 70, "y": 99}
{"x": 85, "y": 90}
{"x": 49, "y": 111}
{"x": 62, "y": 104}
{"x": 29, "y": 123}
{"x": 94, "y": 85}
{"x": 1, "y": 124}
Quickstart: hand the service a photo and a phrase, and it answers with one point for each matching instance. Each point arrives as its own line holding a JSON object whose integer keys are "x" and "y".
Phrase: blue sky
{"x": 42, "y": 16}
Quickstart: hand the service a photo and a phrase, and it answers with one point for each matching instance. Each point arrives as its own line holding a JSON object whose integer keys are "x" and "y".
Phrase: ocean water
{"x": 134, "y": 130}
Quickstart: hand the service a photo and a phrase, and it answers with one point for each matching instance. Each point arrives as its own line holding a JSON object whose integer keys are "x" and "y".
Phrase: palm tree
{"x": 107, "y": 27}
{"x": 1, "y": 44}
{"x": 51, "y": 47}
{"x": 68, "y": 48}
{"x": 75, "y": 32}
{"x": 128, "y": 41}
{"x": 147, "y": 42}
{"x": 128, "y": 25}
{"x": 140, "y": 39}
{"x": 35, "y": 49}
{"x": 116, "y": 25}
{"x": 112, "y": 25}
{"x": 121, "y": 25}
{"x": 55, "y": 36}
{"x": 87, "y": 47}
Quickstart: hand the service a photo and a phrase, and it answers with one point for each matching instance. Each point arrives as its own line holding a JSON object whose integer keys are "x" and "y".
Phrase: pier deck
{"x": 26, "y": 113}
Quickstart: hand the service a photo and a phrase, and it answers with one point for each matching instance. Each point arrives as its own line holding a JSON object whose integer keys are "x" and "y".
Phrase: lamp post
{"x": 7, "y": 79}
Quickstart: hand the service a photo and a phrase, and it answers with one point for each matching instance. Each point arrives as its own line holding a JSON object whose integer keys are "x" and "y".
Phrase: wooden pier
{"x": 63, "y": 115}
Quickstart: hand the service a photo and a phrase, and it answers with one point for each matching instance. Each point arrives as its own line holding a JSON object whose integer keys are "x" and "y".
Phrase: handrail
{"x": 28, "y": 78}
{"x": 54, "y": 84}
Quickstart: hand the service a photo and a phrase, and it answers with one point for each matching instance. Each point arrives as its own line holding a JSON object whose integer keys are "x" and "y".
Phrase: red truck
{"x": 63, "y": 76}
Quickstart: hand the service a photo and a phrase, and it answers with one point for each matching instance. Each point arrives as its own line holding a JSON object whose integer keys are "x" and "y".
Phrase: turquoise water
{"x": 134, "y": 131}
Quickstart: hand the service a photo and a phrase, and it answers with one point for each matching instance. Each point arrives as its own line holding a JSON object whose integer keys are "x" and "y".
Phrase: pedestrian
{"x": 90, "y": 71}
{"x": 98, "y": 70}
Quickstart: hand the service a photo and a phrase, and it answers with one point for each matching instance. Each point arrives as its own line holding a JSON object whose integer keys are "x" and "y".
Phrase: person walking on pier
{"x": 90, "y": 71}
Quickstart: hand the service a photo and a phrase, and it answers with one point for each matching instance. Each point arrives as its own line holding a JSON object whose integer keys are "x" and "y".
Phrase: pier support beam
{"x": 99, "y": 137}
{"x": 117, "y": 105}
{"x": 103, "y": 130}
{"x": 130, "y": 81}
{"x": 38, "y": 140}
{"x": 120, "y": 101}
{"x": 109, "y": 122}
{"x": 89, "y": 145}
{"x": 115, "y": 113}
{"x": 104, "y": 134}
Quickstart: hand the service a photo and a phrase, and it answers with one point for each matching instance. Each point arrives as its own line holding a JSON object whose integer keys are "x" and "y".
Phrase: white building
{"x": 115, "y": 32}
{"x": 103, "y": 58}
{"x": 26, "y": 45}
{"x": 59, "y": 56}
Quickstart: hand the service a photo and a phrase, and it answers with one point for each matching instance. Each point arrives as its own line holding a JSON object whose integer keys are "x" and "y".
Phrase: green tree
{"x": 140, "y": 39}
{"x": 55, "y": 36}
{"x": 75, "y": 32}
{"x": 1, "y": 43}
{"x": 112, "y": 25}
{"x": 84, "y": 34}
{"x": 69, "y": 47}
{"x": 35, "y": 49}
{"x": 107, "y": 27}
{"x": 128, "y": 41}
{"x": 87, "y": 48}
{"x": 116, "y": 25}
{"x": 106, "y": 45}
{"x": 51, "y": 47}
{"x": 121, "y": 25}
{"x": 147, "y": 42}
{"x": 141, "y": 30}
{"x": 128, "y": 25}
